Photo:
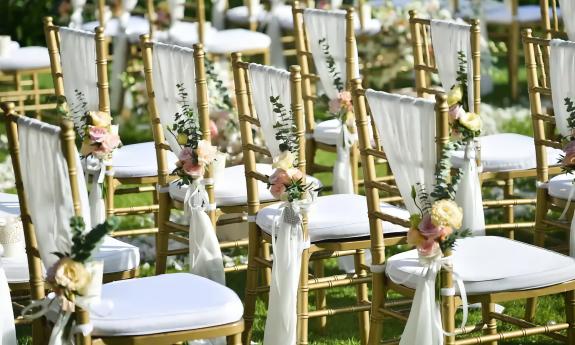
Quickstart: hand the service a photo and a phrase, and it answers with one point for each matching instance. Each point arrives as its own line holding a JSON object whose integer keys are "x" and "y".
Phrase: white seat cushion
{"x": 326, "y": 132}
{"x": 236, "y": 40}
{"x": 339, "y": 216}
{"x": 490, "y": 264}
{"x": 16, "y": 268}
{"x": 9, "y": 205}
{"x": 25, "y": 58}
{"x": 136, "y": 26}
{"x": 507, "y": 152}
{"x": 166, "y": 303}
{"x": 239, "y": 14}
{"x": 560, "y": 186}
{"x": 230, "y": 188}
{"x": 139, "y": 160}
{"x": 501, "y": 14}
{"x": 183, "y": 33}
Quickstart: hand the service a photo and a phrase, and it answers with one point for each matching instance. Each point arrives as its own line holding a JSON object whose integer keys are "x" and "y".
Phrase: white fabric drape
{"x": 219, "y": 14}
{"x": 451, "y": 38}
{"x": 78, "y": 57}
{"x": 568, "y": 15}
{"x": 269, "y": 82}
{"x": 468, "y": 195}
{"x": 7, "y": 328}
{"x": 76, "y": 17}
{"x": 287, "y": 235}
{"x": 562, "y": 65}
{"x": 174, "y": 65}
{"x": 48, "y": 194}
{"x": 274, "y": 31}
{"x": 177, "y": 9}
{"x": 407, "y": 133}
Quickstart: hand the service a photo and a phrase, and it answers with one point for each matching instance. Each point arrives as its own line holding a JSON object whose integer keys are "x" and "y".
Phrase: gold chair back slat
{"x": 550, "y": 21}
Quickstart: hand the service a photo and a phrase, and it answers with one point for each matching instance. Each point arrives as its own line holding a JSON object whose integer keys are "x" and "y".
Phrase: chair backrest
{"x": 408, "y": 127}
{"x": 548, "y": 62}
{"x": 440, "y": 56}
{"x": 72, "y": 55}
{"x": 553, "y": 18}
{"x": 47, "y": 200}
{"x": 257, "y": 113}
{"x": 310, "y": 26}
{"x": 180, "y": 10}
{"x": 170, "y": 70}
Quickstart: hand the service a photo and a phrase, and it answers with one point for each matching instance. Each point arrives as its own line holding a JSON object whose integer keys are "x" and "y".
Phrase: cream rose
{"x": 100, "y": 118}
{"x": 454, "y": 95}
{"x": 284, "y": 161}
{"x": 71, "y": 275}
{"x": 446, "y": 213}
{"x": 471, "y": 121}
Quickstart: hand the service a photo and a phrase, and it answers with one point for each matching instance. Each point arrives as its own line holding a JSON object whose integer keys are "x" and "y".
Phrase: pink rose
{"x": 213, "y": 130}
{"x": 455, "y": 112}
{"x": 295, "y": 174}
{"x": 277, "y": 190}
{"x": 97, "y": 134}
{"x": 206, "y": 153}
{"x": 110, "y": 142}
{"x": 187, "y": 155}
{"x": 334, "y": 106}
{"x": 428, "y": 247}
{"x": 280, "y": 176}
{"x": 193, "y": 169}
{"x": 427, "y": 229}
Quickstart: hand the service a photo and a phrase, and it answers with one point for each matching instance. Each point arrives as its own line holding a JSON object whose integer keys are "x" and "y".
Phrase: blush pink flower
{"x": 295, "y": 174}
{"x": 455, "y": 112}
{"x": 206, "y": 153}
{"x": 213, "y": 130}
{"x": 187, "y": 155}
{"x": 342, "y": 102}
{"x": 97, "y": 134}
{"x": 277, "y": 190}
{"x": 428, "y": 247}
{"x": 428, "y": 229}
{"x": 193, "y": 169}
{"x": 280, "y": 176}
{"x": 110, "y": 142}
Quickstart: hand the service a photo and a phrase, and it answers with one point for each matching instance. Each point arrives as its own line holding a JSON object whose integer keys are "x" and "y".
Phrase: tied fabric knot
{"x": 96, "y": 169}
{"x": 342, "y": 179}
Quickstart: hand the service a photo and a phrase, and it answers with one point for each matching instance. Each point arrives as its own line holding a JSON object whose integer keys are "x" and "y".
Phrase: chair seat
{"x": 166, "y": 303}
{"x": 489, "y": 264}
{"x": 372, "y": 27}
{"x": 16, "y": 268}
{"x": 136, "y": 26}
{"x": 327, "y": 132}
{"x": 501, "y": 14}
{"x": 239, "y": 15}
{"x": 336, "y": 217}
{"x": 230, "y": 188}
{"x": 25, "y": 58}
{"x": 507, "y": 152}
{"x": 139, "y": 160}
{"x": 560, "y": 186}
{"x": 236, "y": 40}
{"x": 9, "y": 205}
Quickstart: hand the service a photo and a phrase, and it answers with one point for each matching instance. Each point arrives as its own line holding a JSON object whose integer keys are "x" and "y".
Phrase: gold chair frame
{"x": 425, "y": 66}
{"x": 305, "y": 61}
{"x": 551, "y": 21}
{"x": 382, "y": 284}
{"x": 317, "y": 251}
{"x": 145, "y": 184}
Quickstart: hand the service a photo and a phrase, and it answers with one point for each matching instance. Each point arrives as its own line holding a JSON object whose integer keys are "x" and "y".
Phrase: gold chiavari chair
{"x": 336, "y": 242}
{"x": 551, "y": 22}
{"x": 498, "y": 170}
{"x": 322, "y": 135}
{"x": 230, "y": 198}
{"x": 212, "y": 310}
{"x": 193, "y": 29}
{"x": 134, "y": 169}
{"x": 543, "y": 274}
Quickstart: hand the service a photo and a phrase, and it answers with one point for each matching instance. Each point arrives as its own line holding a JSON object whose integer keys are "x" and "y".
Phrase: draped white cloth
{"x": 568, "y": 14}
{"x": 274, "y": 31}
{"x": 453, "y": 38}
{"x": 177, "y": 9}
{"x": 287, "y": 236}
{"x": 173, "y": 65}
{"x": 219, "y": 14}
{"x": 7, "y": 328}
{"x": 331, "y": 26}
{"x": 77, "y": 9}
{"x": 407, "y": 133}
{"x": 562, "y": 65}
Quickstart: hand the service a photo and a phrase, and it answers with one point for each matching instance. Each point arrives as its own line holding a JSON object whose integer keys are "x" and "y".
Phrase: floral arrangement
{"x": 436, "y": 227}
{"x": 287, "y": 182}
{"x": 465, "y": 125}
{"x": 567, "y": 160}
{"x": 163, "y": 19}
{"x": 196, "y": 154}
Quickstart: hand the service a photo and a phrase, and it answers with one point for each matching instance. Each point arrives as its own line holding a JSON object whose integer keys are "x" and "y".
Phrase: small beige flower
{"x": 446, "y": 213}
{"x": 71, "y": 275}
{"x": 454, "y": 95}
{"x": 100, "y": 119}
{"x": 284, "y": 161}
{"x": 471, "y": 121}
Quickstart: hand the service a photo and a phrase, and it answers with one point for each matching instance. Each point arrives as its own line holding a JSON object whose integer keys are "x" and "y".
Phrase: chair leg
{"x": 509, "y": 210}
{"x": 530, "y": 309}
{"x": 251, "y": 282}
{"x": 570, "y": 316}
{"x": 362, "y": 295}
{"x": 162, "y": 236}
{"x": 235, "y": 339}
{"x": 320, "y": 295}
{"x": 377, "y": 302}
{"x": 302, "y": 299}
{"x": 490, "y": 323}
{"x": 110, "y": 191}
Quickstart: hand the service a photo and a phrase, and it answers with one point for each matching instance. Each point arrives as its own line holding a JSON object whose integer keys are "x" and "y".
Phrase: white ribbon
{"x": 7, "y": 328}
{"x": 424, "y": 325}
{"x": 95, "y": 168}
{"x": 572, "y": 227}
{"x": 205, "y": 253}
{"x": 468, "y": 195}
{"x": 218, "y": 14}
{"x": 288, "y": 244}
{"x": 342, "y": 178}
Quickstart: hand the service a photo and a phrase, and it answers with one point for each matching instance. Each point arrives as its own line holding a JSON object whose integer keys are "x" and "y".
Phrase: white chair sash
{"x": 407, "y": 135}
{"x": 174, "y": 65}
{"x": 7, "y": 328}
{"x": 274, "y": 31}
{"x": 287, "y": 237}
{"x": 468, "y": 195}
{"x": 219, "y": 14}
{"x": 48, "y": 194}
{"x": 78, "y": 58}
{"x": 177, "y": 9}
{"x": 568, "y": 15}
{"x": 562, "y": 64}
{"x": 452, "y": 38}
{"x": 76, "y": 17}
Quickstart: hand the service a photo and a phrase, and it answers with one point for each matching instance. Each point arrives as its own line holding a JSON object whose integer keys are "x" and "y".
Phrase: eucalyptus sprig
{"x": 186, "y": 121}
{"x": 335, "y": 74}
{"x": 446, "y": 182}
{"x": 285, "y": 127}
{"x": 219, "y": 93}
{"x": 462, "y": 78}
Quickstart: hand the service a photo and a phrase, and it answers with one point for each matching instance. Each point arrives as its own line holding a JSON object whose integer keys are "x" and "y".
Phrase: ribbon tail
{"x": 342, "y": 180}
{"x": 568, "y": 203}
{"x": 57, "y": 336}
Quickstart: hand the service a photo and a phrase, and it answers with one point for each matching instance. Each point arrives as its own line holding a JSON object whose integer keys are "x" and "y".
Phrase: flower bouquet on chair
{"x": 195, "y": 157}
{"x": 567, "y": 162}
{"x": 75, "y": 281}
